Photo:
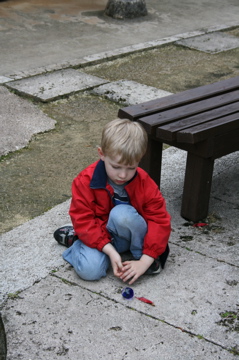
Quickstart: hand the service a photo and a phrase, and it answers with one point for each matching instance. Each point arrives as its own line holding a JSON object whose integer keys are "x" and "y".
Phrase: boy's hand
{"x": 133, "y": 269}
{"x": 115, "y": 259}
{"x": 116, "y": 264}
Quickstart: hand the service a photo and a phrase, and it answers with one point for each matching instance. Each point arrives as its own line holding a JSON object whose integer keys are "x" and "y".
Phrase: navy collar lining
{"x": 99, "y": 178}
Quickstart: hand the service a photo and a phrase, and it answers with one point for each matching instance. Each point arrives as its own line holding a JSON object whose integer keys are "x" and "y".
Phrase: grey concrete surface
{"x": 72, "y": 322}
{"x": 47, "y": 310}
{"x": 4, "y": 79}
{"x": 128, "y": 92}
{"x": 209, "y": 42}
{"x": 51, "y": 86}
{"x": 19, "y": 121}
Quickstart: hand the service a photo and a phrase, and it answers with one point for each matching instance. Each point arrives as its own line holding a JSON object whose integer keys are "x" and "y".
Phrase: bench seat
{"x": 204, "y": 122}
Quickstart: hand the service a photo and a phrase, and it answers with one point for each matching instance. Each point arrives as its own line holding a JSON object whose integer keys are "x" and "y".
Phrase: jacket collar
{"x": 99, "y": 178}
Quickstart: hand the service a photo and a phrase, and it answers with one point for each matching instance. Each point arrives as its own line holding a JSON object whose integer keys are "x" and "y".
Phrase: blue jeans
{"x": 127, "y": 229}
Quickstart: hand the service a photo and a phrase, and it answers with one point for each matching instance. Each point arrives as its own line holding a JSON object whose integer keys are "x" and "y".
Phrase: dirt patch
{"x": 39, "y": 177}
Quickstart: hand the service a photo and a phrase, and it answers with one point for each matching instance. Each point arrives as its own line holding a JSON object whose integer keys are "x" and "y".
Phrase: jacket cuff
{"x": 150, "y": 253}
{"x": 103, "y": 243}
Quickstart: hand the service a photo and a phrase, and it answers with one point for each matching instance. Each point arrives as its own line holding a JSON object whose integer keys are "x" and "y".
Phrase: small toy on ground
{"x": 128, "y": 293}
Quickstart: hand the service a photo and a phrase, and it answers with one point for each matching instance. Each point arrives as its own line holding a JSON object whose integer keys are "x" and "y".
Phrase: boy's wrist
{"x": 146, "y": 260}
{"x": 109, "y": 249}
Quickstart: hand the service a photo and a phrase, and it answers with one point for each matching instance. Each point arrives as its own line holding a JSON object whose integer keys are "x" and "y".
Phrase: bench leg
{"x": 197, "y": 187}
{"x": 152, "y": 160}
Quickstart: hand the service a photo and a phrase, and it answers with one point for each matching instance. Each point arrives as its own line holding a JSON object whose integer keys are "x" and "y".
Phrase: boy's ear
{"x": 100, "y": 152}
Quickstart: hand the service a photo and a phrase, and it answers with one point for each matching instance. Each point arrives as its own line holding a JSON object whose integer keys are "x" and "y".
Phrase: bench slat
{"x": 151, "y": 122}
{"x": 210, "y": 129}
{"x": 153, "y": 106}
{"x": 169, "y": 132}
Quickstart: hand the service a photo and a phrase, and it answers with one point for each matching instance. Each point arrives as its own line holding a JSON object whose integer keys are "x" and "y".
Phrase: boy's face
{"x": 118, "y": 173}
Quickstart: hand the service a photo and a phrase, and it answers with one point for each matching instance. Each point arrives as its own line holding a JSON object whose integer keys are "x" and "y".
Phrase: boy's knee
{"x": 89, "y": 263}
{"x": 92, "y": 271}
{"x": 123, "y": 214}
{"x": 126, "y": 216}
{"x": 88, "y": 275}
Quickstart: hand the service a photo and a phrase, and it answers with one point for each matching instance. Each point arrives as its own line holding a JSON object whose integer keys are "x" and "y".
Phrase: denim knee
{"x": 90, "y": 271}
{"x": 126, "y": 216}
{"x": 90, "y": 264}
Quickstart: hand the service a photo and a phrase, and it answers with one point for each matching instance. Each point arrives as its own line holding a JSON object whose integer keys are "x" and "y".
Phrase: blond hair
{"x": 124, "y": 138}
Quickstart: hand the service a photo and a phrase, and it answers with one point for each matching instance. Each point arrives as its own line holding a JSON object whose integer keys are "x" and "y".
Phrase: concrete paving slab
{"x": 191, "y": 293}
{"x": 51, "y": 86}
{"x": 71, "y": 322}
{"x": 29, "y": 252}
{"x": 128, "y": 92}
{"x": 211, "y": 43}
{"x": 4, "y": 79}
{"x": 19, "y": 121}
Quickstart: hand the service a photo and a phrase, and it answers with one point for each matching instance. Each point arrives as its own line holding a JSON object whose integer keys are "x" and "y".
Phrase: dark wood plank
{"x": 169, "y": 132}
{"x": 150, "y": 107}
{"x": 197, "y": 187}
{"x": 213, "y": 128}
{"x": 151, "y": 122}
{"x": 226, "y": 143}
{"x": 152, "y": 160}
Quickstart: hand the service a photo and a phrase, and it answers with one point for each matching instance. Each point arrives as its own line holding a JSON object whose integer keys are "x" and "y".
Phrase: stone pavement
{"x": 47, "y": 310}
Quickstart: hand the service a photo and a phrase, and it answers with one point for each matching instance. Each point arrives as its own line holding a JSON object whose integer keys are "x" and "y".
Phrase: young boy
{"x": 116, "y": 207}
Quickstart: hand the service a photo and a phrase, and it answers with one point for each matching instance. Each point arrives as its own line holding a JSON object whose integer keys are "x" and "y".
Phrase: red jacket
{"x": 92, "y": 202}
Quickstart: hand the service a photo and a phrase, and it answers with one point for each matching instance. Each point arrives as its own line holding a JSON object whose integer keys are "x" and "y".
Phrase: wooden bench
{"x": 203, "y": 121}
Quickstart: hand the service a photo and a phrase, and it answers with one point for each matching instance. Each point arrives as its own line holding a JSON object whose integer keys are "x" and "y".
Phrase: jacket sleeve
{"x": 158, "y": 221}
{"x": 90, "y": 229}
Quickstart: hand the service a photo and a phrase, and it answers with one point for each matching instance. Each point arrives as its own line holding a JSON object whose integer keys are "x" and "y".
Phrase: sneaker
{"x": 65, "y": 235}
{"x": 155, "y": 268}
{"x": 158, "y": 263}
